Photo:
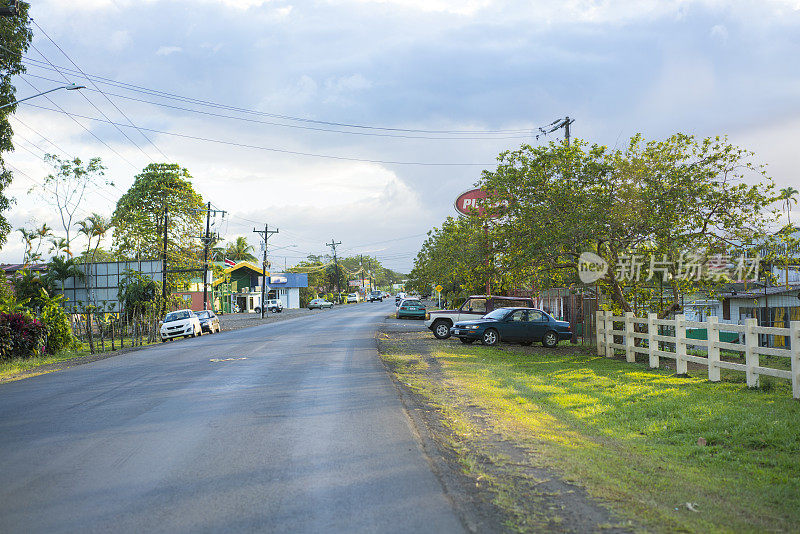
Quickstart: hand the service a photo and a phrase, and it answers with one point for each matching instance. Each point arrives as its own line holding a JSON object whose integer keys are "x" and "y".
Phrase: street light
{"x": 70, "y": 87}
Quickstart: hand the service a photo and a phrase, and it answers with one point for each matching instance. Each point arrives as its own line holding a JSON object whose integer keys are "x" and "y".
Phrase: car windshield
{"x": 202, "y": 314}
{"x": 497, "y": 314}
{"x": 177, "y": 316}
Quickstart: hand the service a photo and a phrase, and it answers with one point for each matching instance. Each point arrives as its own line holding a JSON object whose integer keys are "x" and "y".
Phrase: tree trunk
{"x": 89, "y": 330}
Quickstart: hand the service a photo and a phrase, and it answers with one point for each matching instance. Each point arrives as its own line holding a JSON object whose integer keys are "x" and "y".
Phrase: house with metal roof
{"x": 239, "y": 290}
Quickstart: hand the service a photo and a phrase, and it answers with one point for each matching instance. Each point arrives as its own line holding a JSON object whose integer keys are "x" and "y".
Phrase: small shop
{"x": 239, "y": 290}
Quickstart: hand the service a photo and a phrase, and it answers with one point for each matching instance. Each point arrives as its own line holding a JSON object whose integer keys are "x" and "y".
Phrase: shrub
{"x": 56, "y": 323}
{"x": 21, "y": 336}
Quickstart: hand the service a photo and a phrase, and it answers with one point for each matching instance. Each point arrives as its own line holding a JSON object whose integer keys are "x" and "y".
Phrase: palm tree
{"x": 239, "y": 250}
{"x": 92, "y": 226}
{"x": 788, "y": 195}
{"x": 62, "y": 268}
{"x": 59, "y": 244}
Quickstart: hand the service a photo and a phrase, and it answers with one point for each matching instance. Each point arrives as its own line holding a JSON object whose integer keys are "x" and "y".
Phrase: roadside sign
{"x": 472, "y": 202}
{"x": 439, "y": 288}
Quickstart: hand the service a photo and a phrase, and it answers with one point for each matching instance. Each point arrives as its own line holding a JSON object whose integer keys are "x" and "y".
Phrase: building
{"x": 239, "y": 290}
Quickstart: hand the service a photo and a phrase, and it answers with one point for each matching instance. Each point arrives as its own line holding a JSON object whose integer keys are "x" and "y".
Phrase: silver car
{"x": 319, "y": 303}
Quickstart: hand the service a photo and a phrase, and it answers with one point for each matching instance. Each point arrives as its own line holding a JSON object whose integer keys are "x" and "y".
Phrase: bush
{"x": 56, "y": 323}
{"x": 21, "y": 336}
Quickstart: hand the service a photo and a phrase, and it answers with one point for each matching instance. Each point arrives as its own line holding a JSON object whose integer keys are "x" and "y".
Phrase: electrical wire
{"x": 97, "y": 108}
{"x": 123, "y": 158}
{"x": 297, "y": 126}
{"x": 97, "y": 88}
{"x": 276, "y": 150}
{"x": 208, "y": 103}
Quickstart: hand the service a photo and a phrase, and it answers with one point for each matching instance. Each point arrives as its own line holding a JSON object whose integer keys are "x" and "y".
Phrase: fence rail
{"x": 650, "y": 340}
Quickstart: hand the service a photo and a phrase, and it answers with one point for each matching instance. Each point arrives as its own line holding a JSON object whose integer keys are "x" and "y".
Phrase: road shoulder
{"x": 495, "y": 483}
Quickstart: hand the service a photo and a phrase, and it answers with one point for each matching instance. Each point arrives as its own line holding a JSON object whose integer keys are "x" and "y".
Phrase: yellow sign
{"x": 439, "y": 288}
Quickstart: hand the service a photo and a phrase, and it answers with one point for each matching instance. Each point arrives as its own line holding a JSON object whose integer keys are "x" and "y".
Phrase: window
{"x": 518, "y": 316}
{"x": 474, "y": 305}
{"x": 512, "y": 303}
{"x": 535, "y": 316}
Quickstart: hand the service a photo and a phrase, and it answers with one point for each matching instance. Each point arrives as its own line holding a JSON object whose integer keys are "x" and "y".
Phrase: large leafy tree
{"x": 239, "y": 250}
{"x": 15, "y": 37}
{"x": 657, "y": 199}
{"x": 139, "y": 216}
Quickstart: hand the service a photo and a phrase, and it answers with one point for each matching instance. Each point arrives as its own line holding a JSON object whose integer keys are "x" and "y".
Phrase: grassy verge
{"x": 23, "y": 368}
{"x": 630, "y": 434}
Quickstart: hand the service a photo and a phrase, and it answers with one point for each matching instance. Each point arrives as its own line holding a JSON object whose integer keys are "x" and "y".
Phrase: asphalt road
{"x": 301, "y": 431}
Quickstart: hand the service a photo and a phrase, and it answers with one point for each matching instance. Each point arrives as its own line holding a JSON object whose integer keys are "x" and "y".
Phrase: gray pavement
{"x": 294, "y": 427}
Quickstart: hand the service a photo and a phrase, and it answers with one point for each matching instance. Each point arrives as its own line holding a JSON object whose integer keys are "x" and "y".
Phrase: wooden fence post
{"x": 599, "y": 327}
{"x": 794, "y": 340}
{"x": 713, "y": 348}
{"x": 680, "y": 345}
{"x": 630, "y": 341}
{"x": 652, "y": 344}
{"x": 609, "y": 334}
{"x": 751, "y": 358}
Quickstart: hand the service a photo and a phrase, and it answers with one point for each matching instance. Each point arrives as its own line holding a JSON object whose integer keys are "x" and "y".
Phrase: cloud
{"x": 719, "y": 32}
{"x": 167, "y": 50}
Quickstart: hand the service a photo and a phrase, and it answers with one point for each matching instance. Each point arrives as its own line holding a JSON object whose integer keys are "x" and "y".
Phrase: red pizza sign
{"x": 473, "y": 201}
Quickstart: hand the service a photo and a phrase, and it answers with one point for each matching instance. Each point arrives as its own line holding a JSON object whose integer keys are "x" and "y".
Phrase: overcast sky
{"x": 618, "y": 67}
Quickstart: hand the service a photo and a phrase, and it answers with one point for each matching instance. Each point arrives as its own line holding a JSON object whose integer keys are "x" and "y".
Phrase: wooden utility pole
{"x": 164, "y": 266}
{"x": 333, "y": 244}
{"x": 265, "y": 236}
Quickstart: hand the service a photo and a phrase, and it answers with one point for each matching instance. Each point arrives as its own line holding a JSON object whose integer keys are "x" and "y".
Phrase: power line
{"x": 60, "y": 109}
{"x": 526, "y": 135}
{"x": 277, "y": 150}
{"x": 97, "y": 88}
{"x": 97, "y": 108}
{"x": 173, "y": 96}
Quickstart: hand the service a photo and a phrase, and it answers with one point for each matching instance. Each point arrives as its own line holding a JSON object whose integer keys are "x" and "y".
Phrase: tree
{"x": 240, "y": 250}
{"x": 15, "y": 37}
{"x": 33, "y": 240}
{"x": 659, "y": 199}
{"x": 94, "y": 226}
{"x": 60, "y": 269}
{"x": 788, "y": 197}
{"x": 65, "y": 190}
{"x": 139, "y": 215}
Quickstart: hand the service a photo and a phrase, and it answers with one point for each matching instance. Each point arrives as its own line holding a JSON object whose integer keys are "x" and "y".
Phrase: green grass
{"x": 11, "y": 370}
{"x": 630, "y": 434}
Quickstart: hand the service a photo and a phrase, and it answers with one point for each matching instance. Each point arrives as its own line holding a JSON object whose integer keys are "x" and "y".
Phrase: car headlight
{"x": 472, "y": 327}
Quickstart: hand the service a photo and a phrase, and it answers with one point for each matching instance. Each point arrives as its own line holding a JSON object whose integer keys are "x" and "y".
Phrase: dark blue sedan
{"x": 513, "y": 325}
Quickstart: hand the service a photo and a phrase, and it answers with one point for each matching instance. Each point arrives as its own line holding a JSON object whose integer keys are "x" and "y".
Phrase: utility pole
{"x": 164, "y": 267}
{"x": 333, "y": 244}
{"x": 567, "y": 122}
{"x": 207, "y": 238}
{"x": 361, "y": 257}
{"x": 265, "y": 236}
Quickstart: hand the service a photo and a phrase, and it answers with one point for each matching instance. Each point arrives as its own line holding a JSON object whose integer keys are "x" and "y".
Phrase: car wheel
{"x": 491, "y": 337}
{"x": 466, "y": 341}
{"x": 257, "y": 309}
{"x": 163, "y": 340}
{"x": 441, "y": 329}
{"x": 550, "y": 339}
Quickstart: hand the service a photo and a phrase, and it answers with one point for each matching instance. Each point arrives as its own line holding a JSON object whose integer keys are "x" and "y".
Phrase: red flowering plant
{"x": 21, "y": 335}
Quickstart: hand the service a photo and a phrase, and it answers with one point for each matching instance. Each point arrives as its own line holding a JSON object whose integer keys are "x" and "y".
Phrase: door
{"x": 536, "y": 325}
{"x": 514, "y": 327}
{"x": 472, "y": 309}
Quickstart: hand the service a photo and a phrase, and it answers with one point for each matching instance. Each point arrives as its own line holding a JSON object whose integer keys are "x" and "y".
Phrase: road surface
{"x": 286, "y": 427}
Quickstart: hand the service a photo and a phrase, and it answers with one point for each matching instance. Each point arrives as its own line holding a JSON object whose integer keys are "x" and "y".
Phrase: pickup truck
{"x": 475, "y": 307}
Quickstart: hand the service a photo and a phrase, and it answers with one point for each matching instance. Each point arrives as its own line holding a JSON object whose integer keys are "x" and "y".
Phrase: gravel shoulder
{"x": 496, "y": 484}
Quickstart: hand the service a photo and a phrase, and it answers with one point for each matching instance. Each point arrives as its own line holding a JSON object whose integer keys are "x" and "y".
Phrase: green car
{"x": 411, "y": 308}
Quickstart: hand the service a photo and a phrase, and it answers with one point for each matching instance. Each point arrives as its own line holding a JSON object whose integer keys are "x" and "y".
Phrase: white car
{"x": 352, "y": 297}
{"x": 181, "y": 323}
{"x": 275, "y": 305}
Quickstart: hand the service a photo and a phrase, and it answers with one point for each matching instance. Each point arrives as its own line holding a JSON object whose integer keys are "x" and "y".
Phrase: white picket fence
{"x": 649, "y": 334}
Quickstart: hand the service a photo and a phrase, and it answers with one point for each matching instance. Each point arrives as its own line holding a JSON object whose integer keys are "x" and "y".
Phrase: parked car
{"x": 209, "y": 322}
{"x": 474, "y": 307}
{"x": 398, "y": 297}
{"x": 352, "y": 297}
{"x": 181, "y": 323}
{"x": 411, "y": 308}
{"x": 275, "y": 305}
{"x": 319, "y": 303}
{"x": 513, "y": 325}
{"x": 376, "y": 295}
